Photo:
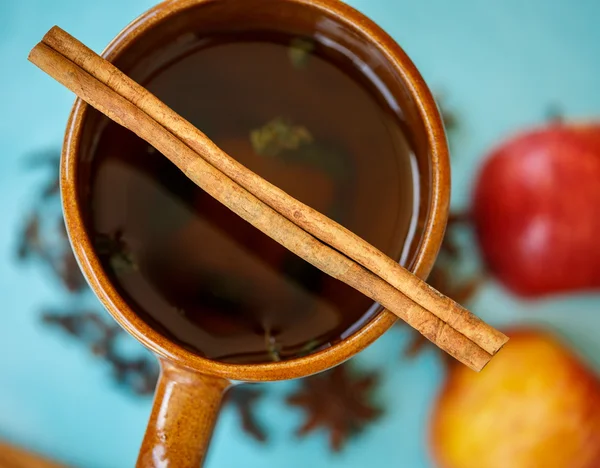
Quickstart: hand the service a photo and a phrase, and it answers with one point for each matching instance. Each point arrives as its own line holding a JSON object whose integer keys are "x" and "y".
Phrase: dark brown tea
{"x": 306, "y": 118}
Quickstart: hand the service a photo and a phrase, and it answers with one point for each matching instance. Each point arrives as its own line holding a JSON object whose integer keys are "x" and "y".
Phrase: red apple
{"x": 534, "y": 406}
{"x": 537, "y": 210}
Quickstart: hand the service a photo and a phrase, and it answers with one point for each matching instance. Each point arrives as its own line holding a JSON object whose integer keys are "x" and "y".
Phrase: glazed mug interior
{"x": 191, "y": 387}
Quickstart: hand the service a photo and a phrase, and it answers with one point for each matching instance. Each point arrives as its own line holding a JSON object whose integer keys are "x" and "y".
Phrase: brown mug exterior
{"x": 190, "y": 388}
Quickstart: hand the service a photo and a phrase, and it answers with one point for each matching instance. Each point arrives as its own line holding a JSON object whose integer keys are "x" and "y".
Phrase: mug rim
{"x": 430, "y": 239}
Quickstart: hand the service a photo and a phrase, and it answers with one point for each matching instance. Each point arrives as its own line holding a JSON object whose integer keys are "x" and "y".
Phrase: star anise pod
{"x": 68, "y": 271}
{"x": 51, "y": 189}
{"x": 84, "y": 324}
{"x": 338, "y": 401}
{"x": 138, "y": 373}
{"x": 59, "y": 258}
{"x": 449, "y": 116}
{"x": 244, "y": 398}
{"x": 30, "y": 243}
{"x": 49, "y": 157}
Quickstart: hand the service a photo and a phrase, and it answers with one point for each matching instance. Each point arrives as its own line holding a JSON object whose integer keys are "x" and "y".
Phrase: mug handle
{"x": 184, "y": 412}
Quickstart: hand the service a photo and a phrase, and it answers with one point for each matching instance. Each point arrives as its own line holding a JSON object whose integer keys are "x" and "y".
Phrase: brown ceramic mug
{"x": 190, "y": 389}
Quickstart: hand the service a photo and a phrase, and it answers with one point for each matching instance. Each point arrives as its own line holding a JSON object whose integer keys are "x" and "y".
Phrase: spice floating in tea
{"x": 300, "y": 50}
{"x": 114, "y": 249}
{"x": 273, "y": 348}
{"x": 279, "y": 135}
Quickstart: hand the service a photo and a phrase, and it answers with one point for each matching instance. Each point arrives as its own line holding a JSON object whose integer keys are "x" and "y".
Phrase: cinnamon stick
{"x": 253, "y": 210}
{"x": 312, "y": 221}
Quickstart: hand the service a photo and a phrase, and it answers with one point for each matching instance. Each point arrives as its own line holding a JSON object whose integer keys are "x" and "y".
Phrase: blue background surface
{"x": 499, "y": 64}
